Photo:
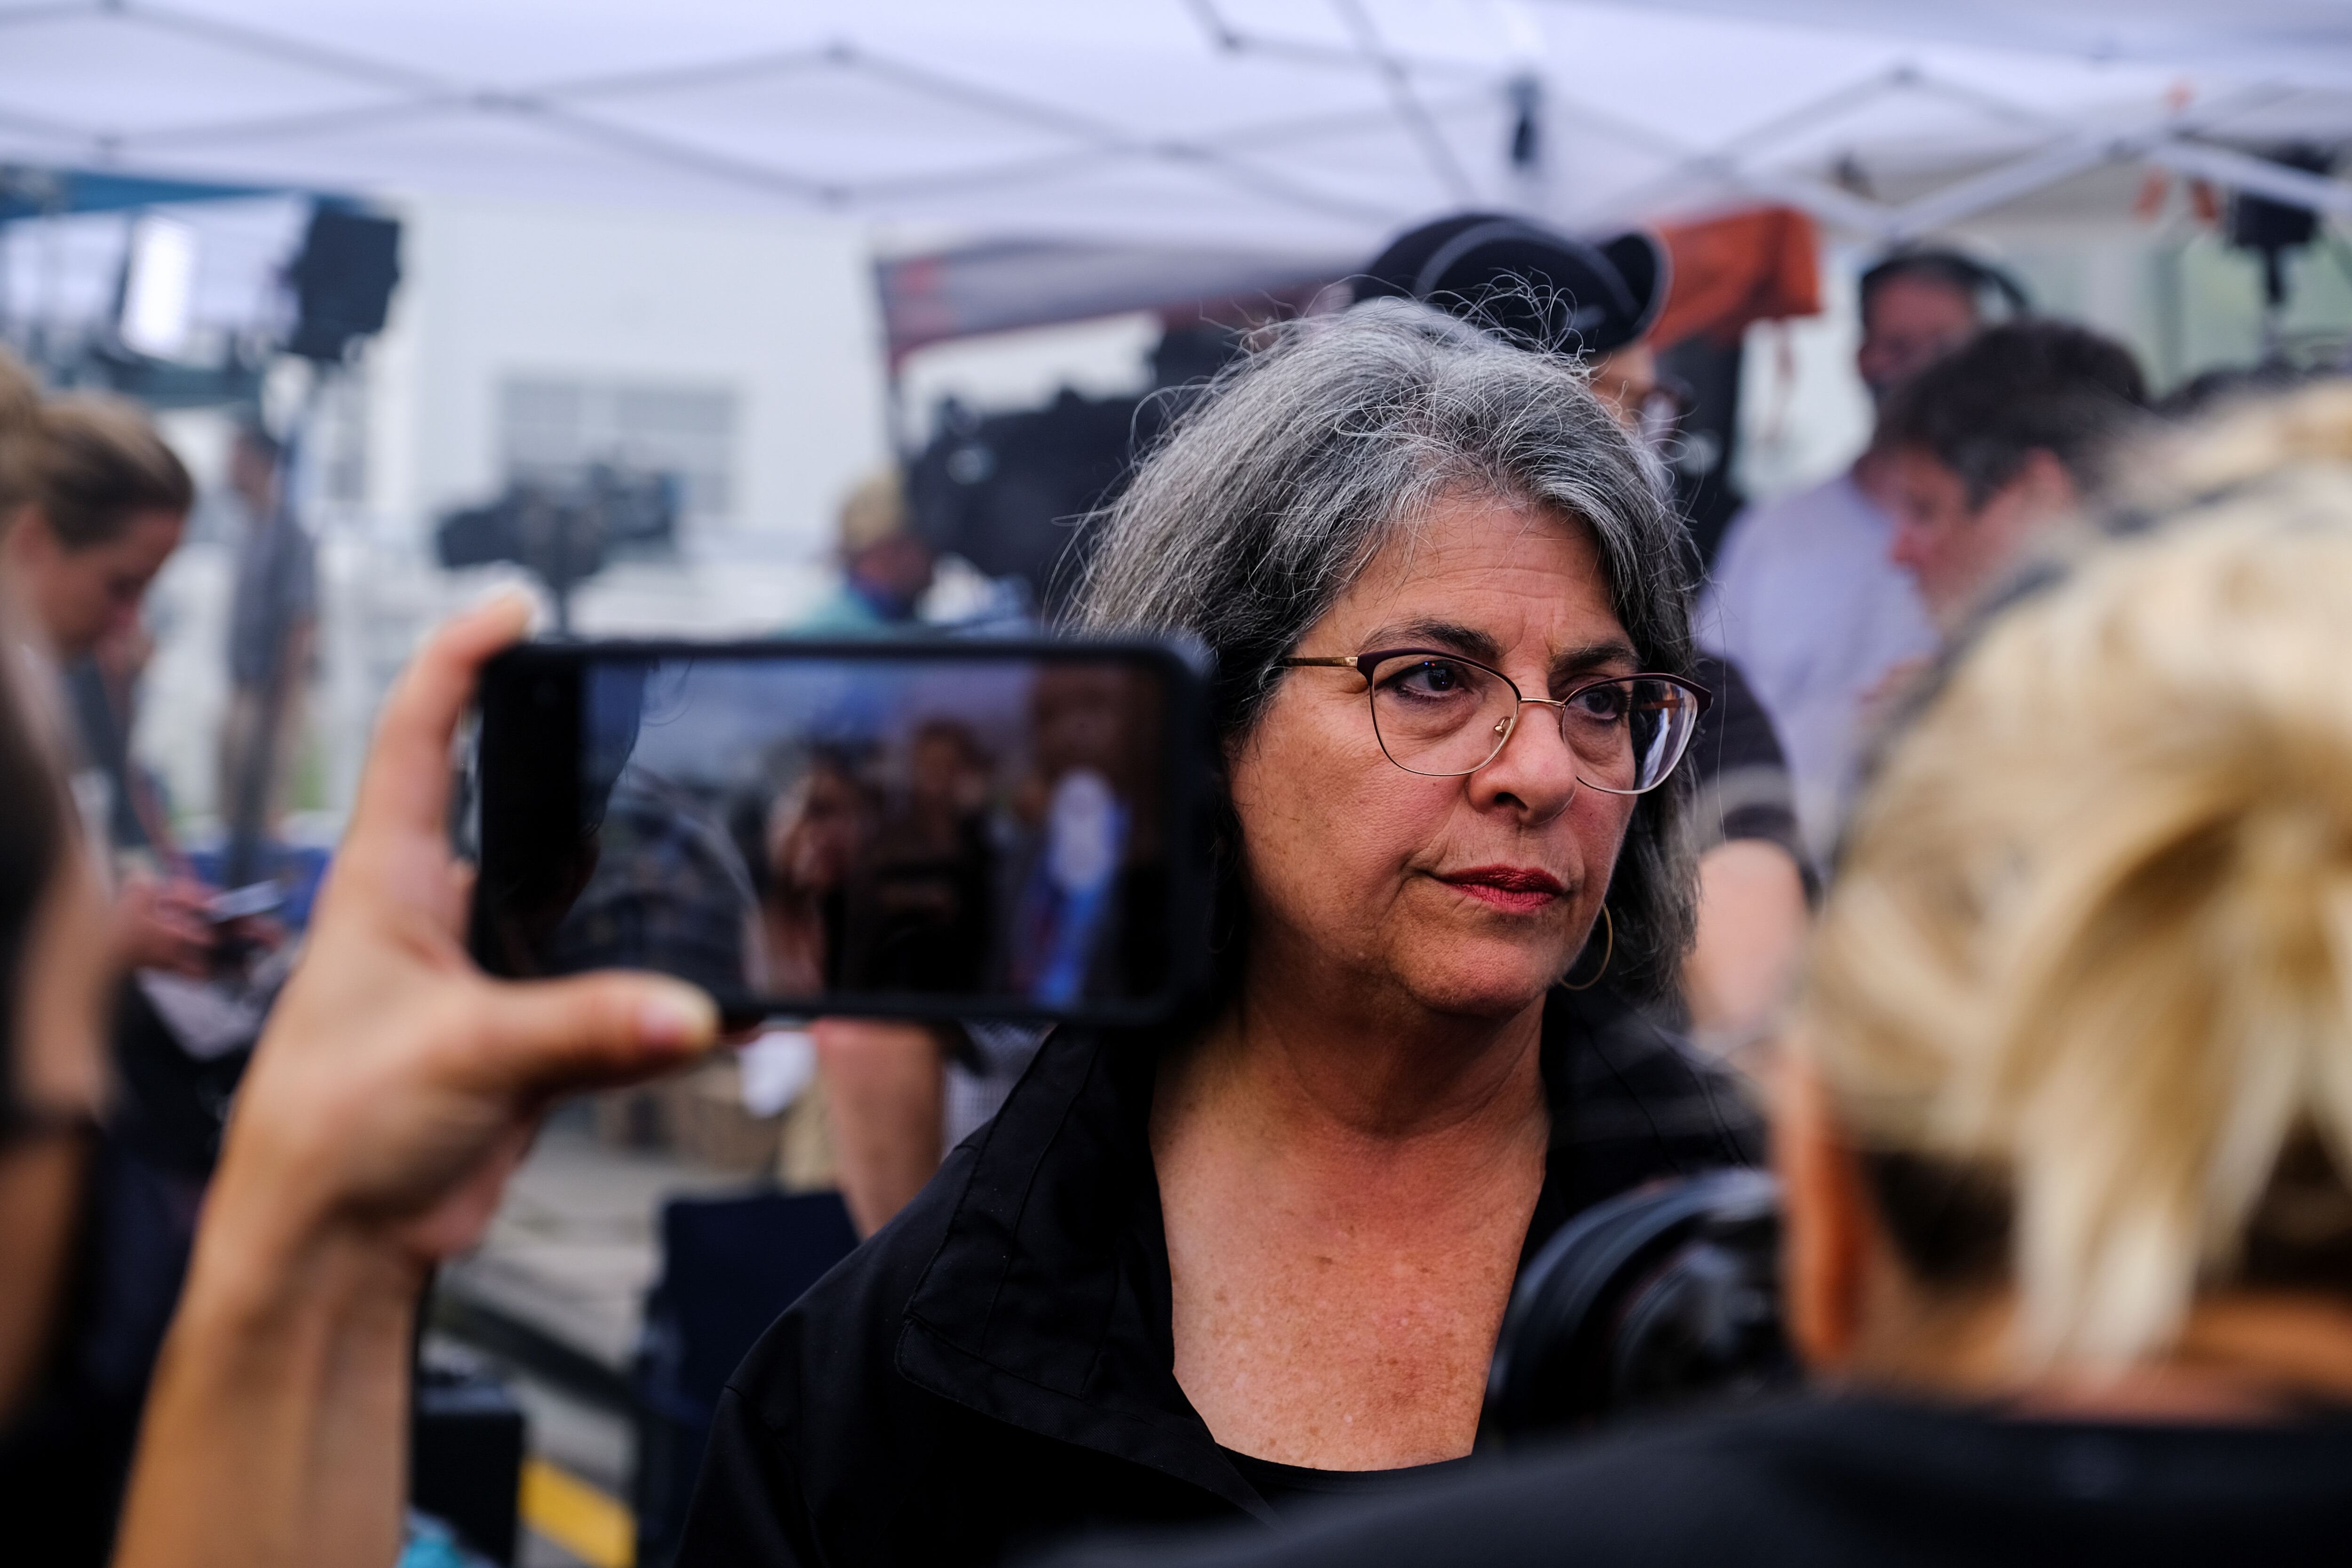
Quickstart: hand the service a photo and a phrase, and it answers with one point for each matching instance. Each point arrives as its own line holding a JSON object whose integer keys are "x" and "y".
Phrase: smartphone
{"x": 937, "y": 830}
{"x": 244, "y": 903}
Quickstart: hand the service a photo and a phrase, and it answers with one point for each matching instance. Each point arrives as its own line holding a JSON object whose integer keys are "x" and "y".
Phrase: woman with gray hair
{"x": 1219, "y": 1269}
{"x": 2063, "y": 1112}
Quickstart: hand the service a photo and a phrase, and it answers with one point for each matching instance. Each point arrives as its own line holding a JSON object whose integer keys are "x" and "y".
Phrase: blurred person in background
{"x": 1995, "y": 445}
{"x": 53, "y": 978}
{"x": 884, "y": 1082}
{"x": 1250, "y": 1258}
{"x": 272, "y": 634}
{"x": 108, "y": 505}
{"x": 53, "y": 971}
{"x": 2064, "y": 1126}
{"x": 1547, "y": 291}
{"x": 897, "y": 1095}
{"x": 60, "y": 1465}
{"x": 886, "y": 566}
{"x": 1803, "y": 595}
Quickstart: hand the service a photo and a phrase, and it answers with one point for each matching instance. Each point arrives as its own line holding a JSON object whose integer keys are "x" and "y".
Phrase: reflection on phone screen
{"x": 992, "y": 830}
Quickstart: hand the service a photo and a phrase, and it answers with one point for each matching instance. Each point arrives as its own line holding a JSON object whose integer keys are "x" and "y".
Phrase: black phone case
{"x": 526, "y": 773}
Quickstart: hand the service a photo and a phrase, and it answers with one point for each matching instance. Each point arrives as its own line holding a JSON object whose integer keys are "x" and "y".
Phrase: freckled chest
{"x": 1348, "y": 1333}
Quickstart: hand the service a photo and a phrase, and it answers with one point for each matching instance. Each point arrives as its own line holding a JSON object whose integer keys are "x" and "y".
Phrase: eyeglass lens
{"x": 1443, "y": 717}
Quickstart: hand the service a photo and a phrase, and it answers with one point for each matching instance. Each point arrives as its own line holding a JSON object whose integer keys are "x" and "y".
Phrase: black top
{"x": 992, "y": 1372}
{"x": 1742, "y": 773}
{"x": 1285, "y": 1487}
{"x": 1836, "y": 1482}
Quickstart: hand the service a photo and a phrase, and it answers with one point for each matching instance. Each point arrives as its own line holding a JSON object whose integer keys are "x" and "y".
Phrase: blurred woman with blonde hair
{"x": 2064, "y": 1123}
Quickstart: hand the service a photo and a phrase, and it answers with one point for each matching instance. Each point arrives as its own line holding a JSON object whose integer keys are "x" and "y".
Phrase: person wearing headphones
{"x": 1995, "y": 445}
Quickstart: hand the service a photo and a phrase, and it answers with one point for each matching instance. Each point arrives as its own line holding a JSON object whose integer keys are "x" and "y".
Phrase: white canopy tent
{"x": 1311, "y": 127}
{"x": 1080, "y": 149}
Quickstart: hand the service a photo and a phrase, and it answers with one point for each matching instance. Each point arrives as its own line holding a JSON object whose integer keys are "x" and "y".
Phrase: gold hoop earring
{"x": 1607, "y": 952}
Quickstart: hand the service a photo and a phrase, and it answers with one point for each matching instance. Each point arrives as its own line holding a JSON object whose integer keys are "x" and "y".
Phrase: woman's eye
{"x": 1606, "y": 703}
{"x": 1432, "y": 679}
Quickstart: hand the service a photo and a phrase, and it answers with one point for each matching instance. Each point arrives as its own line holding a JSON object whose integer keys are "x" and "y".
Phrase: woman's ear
{"x": 1827, "y": 1234}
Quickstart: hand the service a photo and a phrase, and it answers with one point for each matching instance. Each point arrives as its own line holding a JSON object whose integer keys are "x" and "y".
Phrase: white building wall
{"x": 781, "y": 310}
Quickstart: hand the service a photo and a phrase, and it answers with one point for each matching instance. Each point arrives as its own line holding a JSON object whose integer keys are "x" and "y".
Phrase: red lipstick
{"x": 1521, "y": 890}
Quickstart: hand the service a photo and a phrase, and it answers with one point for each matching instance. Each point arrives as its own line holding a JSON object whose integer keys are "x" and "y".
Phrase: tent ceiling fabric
{"x": 2301, "y": 41}
{"x": 1313, "y": 127}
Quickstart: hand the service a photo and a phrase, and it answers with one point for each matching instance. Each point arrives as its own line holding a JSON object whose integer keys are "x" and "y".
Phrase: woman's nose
{"x": 1534, "y": 772}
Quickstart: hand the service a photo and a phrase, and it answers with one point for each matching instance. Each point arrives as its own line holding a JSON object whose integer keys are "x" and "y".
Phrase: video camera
{"x": 1663, "y": 1297}
{"x": 564, "y": 528}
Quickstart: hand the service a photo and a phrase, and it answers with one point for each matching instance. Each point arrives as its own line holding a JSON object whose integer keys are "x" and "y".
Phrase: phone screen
{"x": 949, "y": 829}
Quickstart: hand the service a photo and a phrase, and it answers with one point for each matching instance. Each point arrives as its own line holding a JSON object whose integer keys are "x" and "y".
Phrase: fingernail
{"x": 513, "y": 603}
{"x": 677, "y": 1019}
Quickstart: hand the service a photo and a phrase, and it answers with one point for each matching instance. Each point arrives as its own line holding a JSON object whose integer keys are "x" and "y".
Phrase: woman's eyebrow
{"x": 1448, "y": 635}
{"x": 1575, "y": 661}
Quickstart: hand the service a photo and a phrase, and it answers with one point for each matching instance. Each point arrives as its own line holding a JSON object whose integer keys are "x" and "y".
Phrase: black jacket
{"x": 1847, "y": 1482}
{"x": 991, "y": 1372}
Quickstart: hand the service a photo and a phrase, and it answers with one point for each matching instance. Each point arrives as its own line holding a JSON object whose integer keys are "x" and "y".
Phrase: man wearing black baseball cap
{"x": 1551, "y": 293}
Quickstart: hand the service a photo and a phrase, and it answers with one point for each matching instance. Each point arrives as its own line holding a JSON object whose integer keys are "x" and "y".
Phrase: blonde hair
{"x": 2091, "y": 936}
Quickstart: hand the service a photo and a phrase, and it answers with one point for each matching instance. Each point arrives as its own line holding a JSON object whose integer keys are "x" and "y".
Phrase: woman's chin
{"x": 1479, "y": 979}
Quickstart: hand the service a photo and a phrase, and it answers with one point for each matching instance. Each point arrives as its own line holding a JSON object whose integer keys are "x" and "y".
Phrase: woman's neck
{"x": 1347, "y": 1191}
{"x": 1313, "y": 1061}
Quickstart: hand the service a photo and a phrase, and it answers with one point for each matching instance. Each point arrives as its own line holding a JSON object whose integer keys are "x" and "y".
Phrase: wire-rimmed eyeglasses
{"x": 1441, "y": 715}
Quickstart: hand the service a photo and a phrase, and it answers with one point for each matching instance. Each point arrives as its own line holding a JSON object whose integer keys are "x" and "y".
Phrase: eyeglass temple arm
{"x": 1329, "y": 661}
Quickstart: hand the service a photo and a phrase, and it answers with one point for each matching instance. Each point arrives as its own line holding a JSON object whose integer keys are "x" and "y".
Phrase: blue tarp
{"x": 46, "y": 192}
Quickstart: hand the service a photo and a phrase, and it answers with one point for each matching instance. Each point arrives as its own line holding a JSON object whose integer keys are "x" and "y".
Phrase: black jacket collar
{"x": 1045, "y": 1305}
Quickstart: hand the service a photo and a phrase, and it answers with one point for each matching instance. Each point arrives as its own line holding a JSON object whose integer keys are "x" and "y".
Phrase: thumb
{"x": 591, "y": 1029}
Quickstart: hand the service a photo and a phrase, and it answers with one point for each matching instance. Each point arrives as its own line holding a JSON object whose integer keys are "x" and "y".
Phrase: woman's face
{"x": 1468, "y": 895}
{"x": 83, "y": 596}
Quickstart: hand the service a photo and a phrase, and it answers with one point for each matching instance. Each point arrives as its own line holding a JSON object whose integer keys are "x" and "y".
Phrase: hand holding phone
{"x": 160, "y": 925}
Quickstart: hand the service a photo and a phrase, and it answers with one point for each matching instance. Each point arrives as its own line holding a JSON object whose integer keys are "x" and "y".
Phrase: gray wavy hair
{"x": 1269, "y": 495}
